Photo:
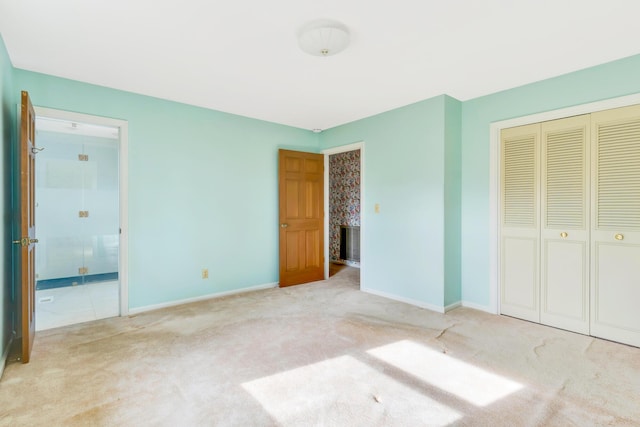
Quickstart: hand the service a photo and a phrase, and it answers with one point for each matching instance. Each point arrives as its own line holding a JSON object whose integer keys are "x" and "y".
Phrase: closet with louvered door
{"x": 564, "y": 243}
{"x": 520, "y": 223}
{"x": 615, "y": 234}
{"x": 570, "y": 224}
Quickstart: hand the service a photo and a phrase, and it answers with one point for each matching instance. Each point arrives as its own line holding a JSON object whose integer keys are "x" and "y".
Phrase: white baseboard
{"x": 347, "y": 263}
{"x": 137, "y": 310}
{"x": 479, "y": 307}
{"x": 432, "y": 307}
{"x": 453, "y": 306}
{"x": 5, "y": 356}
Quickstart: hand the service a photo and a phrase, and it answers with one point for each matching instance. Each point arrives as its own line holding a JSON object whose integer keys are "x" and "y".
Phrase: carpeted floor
{"x": 322, "y": 354}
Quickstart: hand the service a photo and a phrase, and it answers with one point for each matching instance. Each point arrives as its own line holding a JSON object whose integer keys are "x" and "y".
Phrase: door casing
{"x": 123, "y": 126}
{"x": 328, "y": 152}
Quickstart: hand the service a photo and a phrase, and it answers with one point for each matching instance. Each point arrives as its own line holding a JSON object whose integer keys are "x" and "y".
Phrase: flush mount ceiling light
{"x": 323, "y": 37}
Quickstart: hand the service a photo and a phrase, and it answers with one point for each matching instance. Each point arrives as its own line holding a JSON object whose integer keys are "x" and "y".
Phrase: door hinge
{"x": 83, "y": 157}
{"x": 83, "y": 214}
{"x": 83, "y": 270}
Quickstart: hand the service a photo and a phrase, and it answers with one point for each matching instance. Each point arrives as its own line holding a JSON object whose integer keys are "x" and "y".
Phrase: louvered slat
{"x": 565, "y": 192}
{"x": 618, "y": 180}
{"x": 519, "y": 197}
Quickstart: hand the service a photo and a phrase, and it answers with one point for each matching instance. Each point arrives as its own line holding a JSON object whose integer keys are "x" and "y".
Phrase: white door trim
{"x": 327, "y": 153}
{"x": 494, "y": 175}
{"x": 123, "y": 126}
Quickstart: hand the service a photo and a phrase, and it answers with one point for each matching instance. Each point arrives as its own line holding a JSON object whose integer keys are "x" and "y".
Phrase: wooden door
{"x": 301, "y": 193}
{"x": 564, "y": 244}
{"x": 615, "y": 250}
{"x": 27, "y": 225}
{"x": 520, "y": 219}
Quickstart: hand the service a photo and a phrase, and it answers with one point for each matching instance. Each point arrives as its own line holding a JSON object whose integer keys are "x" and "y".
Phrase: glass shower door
{"x": 100, "y": 231}
{"x": 77, "y": 224}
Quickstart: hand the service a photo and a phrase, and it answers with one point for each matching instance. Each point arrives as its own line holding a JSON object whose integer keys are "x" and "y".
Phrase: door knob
{"x": 619, "y": 237}
{"x": 564, "y": 234}
{"x": 33, "y": 240}
{"x": 283, "y": 225}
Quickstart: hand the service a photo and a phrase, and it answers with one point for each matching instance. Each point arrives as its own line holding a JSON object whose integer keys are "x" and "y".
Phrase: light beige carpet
{"x": 323, "y": 354}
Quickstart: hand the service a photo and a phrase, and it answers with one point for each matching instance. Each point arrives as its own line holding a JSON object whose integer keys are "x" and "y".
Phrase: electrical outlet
{"x": 205, "y": 273}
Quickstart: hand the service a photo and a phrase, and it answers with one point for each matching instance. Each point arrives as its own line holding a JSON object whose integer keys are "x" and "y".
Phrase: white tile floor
{"x": 75, "y": 304}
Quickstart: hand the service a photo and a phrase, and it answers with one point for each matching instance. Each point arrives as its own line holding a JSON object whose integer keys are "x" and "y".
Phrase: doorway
{"x": 343, "y": 166}
{"x": 79, "y": 274}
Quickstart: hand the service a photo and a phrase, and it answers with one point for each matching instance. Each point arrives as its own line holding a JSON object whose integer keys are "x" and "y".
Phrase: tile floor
{"x": 76, "y": 304}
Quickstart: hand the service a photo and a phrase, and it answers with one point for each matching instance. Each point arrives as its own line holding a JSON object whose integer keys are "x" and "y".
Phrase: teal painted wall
{"x": 202, "y": 189}
{"x": 593, "y": 84}
{"x": 7, "y": 135}
{"x": 452, "y": 200}
{"x": 405, "y": 174}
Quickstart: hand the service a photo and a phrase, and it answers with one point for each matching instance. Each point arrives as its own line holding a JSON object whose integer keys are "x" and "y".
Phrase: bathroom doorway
{"x": 78, "y": 274}
{"x": 344, "y": 191}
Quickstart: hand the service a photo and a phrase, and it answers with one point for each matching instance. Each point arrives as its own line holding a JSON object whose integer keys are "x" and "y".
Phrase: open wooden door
{"x": 301, "y": 192}
{"x": 27, "y": 225}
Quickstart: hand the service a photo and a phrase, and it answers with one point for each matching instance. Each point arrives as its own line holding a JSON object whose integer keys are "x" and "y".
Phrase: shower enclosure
{"x": 77, "y": 204}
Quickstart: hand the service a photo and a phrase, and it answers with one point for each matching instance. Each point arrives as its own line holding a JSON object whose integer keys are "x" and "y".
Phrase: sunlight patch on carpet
{"x": 344, "y": 391}
{"x": 468, "y": 382}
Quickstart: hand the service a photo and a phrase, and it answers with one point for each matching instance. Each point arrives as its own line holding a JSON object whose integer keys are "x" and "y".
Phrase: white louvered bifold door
{"x": 564, "y": 278}
{"x": 520, "y": 232}
{"x": 615, "y": 251}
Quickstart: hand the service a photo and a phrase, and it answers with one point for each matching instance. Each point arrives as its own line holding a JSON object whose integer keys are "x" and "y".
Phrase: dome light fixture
{"x": 323, "y": 37}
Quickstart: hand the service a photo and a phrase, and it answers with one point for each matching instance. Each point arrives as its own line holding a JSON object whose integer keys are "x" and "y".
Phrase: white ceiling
{"x": 242, "y": 57}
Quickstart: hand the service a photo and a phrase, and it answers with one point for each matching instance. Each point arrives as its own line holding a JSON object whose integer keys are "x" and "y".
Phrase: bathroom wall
{"x": 344, "y": 196}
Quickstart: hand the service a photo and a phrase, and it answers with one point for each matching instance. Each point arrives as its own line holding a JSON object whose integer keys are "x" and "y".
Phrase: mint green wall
{"x": 452, "y": 199}
{"x": 593, "y": 84}
{"x": 7, "y": 135}
{"x": 202, "y": 189}
{"x": 405, "y": 174}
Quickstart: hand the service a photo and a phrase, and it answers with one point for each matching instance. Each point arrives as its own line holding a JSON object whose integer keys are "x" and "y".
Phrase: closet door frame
{"x": 495, "y": 177}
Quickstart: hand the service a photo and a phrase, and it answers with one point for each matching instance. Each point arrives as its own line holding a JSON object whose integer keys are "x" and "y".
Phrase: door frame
{"x": 123, "y": 171}
{"x": 494, "y": 178}
{"x": 328, "y": 152}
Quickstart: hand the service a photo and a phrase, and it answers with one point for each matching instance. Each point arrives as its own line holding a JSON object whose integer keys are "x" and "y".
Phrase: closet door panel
{"x": 520, "y": 240}
{"x": 565, "y": 285}
{"x": 520, "y": 276}
{"x": 617, "y": 291}
{"x": 615, "y": 265}
{"x": 564, "y": 298}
